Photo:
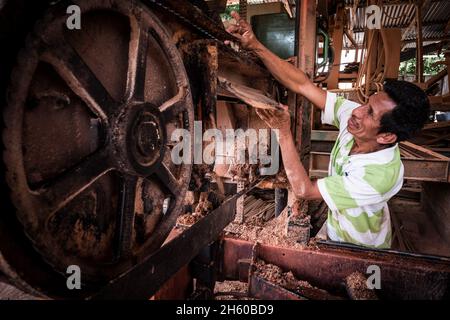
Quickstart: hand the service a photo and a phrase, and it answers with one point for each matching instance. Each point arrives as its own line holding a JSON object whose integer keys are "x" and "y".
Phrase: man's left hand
{"x": 276, "y": 119}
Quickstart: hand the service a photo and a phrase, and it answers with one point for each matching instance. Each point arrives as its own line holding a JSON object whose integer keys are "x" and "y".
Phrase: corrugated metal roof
{"x": 400, "y": 14}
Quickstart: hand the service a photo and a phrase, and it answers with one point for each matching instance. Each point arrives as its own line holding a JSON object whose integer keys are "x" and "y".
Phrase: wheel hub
{"x": 139, "y": 139}
{"x": 147, "y": 139}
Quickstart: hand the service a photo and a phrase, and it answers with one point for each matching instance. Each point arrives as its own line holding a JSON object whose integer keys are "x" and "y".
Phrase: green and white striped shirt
{"x": 358, "y": 186}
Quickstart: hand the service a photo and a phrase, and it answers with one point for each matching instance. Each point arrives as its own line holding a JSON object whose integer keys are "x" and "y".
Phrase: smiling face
{"x": 364, "y": 124}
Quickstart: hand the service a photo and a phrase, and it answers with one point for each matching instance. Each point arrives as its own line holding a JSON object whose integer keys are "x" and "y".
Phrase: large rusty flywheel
{"x": 87, "y": 146}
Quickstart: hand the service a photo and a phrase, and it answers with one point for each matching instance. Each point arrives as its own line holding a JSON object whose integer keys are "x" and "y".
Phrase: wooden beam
{"x": 436, "y": 77}
{"x": 437, "y": 125}
{"x": 338, "y": 34}
{"x": 350, "y": 38}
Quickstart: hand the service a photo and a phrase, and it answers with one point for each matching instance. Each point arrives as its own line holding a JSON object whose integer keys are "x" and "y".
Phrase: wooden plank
{"x": 415, "y": 169}
{"x": 437, "y": 125}
{"x": 426, "y": 153}
{"x": 250, "y": 96}
{"x": 324, "y": 135}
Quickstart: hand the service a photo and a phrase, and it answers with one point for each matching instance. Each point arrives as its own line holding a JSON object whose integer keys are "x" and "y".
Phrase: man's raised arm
{"x": 288, "y": 75}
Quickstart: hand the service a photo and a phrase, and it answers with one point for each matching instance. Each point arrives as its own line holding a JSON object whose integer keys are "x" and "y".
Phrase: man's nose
{"x": 358, "y": 112}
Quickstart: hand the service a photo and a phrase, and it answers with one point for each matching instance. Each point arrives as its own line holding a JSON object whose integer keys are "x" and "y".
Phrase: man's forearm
{"x": 287, "y": 74}
{"x": 300, "y": 182}
{"x": 291, "y": 77}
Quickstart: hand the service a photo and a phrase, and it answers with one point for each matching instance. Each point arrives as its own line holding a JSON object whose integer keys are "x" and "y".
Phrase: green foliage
{"x": 429, "y": 66}
{"x": 227, "y": 14}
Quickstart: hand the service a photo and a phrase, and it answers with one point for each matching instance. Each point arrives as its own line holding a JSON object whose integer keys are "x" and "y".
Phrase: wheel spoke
{"x": 168, "y": 179}
{"x": 75, "y": 180}
{"x": 80, "y": 78}
{"x": 126, "y": 218}
{"x": 138, "y": 48}
{"x": 174, "y": 106}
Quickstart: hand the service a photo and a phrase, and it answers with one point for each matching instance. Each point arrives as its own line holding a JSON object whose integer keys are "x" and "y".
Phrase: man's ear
{"x": 386, "y": 138}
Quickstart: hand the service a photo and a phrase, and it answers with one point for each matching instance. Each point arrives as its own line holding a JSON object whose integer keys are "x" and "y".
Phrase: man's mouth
{"x": 352, "y": 123}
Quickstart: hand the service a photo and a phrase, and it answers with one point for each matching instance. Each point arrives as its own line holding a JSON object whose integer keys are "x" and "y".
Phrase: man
{"x": 365, "y": 170}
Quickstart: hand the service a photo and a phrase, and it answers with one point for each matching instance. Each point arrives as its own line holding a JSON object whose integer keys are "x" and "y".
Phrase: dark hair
{"x": 411, "y": 112}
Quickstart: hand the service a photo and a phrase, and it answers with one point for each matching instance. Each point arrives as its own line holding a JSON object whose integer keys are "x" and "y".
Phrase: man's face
{"x": 364, "y": 123}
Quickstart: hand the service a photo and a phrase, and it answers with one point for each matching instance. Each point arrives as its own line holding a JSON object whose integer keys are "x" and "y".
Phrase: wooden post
{"x": 306, "y": 56}
{"x": 338, "y": 34}
{"x": 419, "y": 42}
{"x": 306, "y": 62}
{"x": 392, "y": 46}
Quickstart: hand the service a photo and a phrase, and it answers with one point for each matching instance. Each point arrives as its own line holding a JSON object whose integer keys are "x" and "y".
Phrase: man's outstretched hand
{"x": 276, "y": 119}
{"x": 243, "y": 32}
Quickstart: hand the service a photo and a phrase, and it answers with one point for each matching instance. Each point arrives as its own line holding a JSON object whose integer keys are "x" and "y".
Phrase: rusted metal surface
{"x": 402, "y": 276}
{"x": 179, "y": 287}
{"x": 87, "y": 153}
{"x": 281, "y": 286}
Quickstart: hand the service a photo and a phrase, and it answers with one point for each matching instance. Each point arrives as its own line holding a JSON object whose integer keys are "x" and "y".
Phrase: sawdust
{"x": 356, "y": 284}
{"x": 231, "y": 290}
{"x": 272, "y": 232}
{"x": 188, "y": 219}
{"x": 287, "y": 280}
{"x": 276, "y": 275}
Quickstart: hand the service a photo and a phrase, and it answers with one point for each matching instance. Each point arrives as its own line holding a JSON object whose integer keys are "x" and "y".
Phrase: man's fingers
{"x": 235, "y": 15}
{"x": 233, "y": 28}
{"x": 284, "y": 107}
{"x": 234, "y": 31}
{"x": 242, "y": 23}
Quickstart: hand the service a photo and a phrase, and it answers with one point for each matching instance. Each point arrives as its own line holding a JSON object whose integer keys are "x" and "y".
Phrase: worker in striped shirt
{"x": 365, "y": 169}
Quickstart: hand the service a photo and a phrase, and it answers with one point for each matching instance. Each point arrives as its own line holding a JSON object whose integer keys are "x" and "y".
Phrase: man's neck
{"x": 366, "y": 147}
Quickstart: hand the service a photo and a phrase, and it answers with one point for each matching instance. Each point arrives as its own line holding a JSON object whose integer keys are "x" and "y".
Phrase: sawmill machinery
{"x": 87, "y": 176}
